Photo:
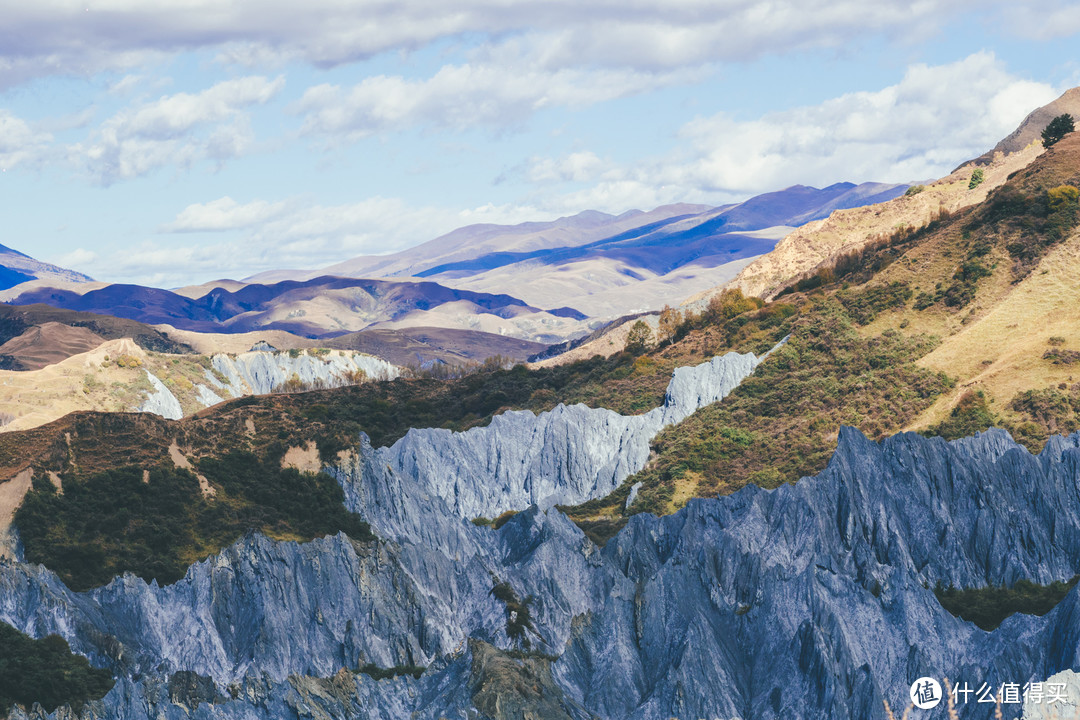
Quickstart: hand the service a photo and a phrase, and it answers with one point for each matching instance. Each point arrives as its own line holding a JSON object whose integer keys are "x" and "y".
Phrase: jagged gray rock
{"x": 207, "y": 396}
{"x": 260, "y": 372}
{"x": 809, "y": 601}
{"x": 566, "y": 456}
{"x": 161, "y": 401}
{"x": 1040, "y": 707}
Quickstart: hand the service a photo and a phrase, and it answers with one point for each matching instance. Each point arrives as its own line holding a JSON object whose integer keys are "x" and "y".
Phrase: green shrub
{"x": 1056, "y": 129}
{"x": 988, "y": 607}
{"x": 866, "y": 303}
{"x": 914, "y": 190}
{"x": 518, "y": 614}
{"x": 780, "y": 423}
{"x": 381, "y": 673}
{"x": 639, "y": 338}
{"x": 977, "y": 178}
{"x": 972, "y": 414}
{"x": 1044, "y": 413}
{"x": 114, "y": 522}
{"x": 46, "y": 671}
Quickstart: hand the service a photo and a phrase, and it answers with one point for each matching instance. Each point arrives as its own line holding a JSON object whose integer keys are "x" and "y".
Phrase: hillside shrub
{"x": 1056, "y": 129}
{"x": 639, "y": 339}
{"x": 972, "y": 414}
{"x": 376, "y": 672}
{"x": 781, "y": 423}
{"x": 1043, "y": 413}
{"x": 987, "y": 607}
{"x": 115, "y": 521}
{"x": 865, "y": 303}
{"x": 977, "y": 178}
{"x": 46, "y": 671}
{"x": 518, "y": 613}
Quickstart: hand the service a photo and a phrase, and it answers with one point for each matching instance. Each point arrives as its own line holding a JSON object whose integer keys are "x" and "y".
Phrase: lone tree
{"x": 639, "y": 339}
{"x": 1058, "y": 128}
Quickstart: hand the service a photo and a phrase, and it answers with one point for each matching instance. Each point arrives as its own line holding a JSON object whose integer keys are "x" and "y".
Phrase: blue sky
{"x": 190, "y": 140}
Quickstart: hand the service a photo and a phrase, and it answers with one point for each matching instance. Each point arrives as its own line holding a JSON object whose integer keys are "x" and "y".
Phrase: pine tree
{"x": 1058, "y": 128}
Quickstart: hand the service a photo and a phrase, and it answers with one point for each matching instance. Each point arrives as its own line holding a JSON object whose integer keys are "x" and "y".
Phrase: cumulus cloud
{"x": 223, "y": 214}
{"x": 932, "y": 120}
{"x": 584, "y": 166}
{"x": 20, "y": 143}
{"x": 1044, "y": 20}
{"x": 175, "y": 130}
{"x": 76, "y": 259}
{"x": 57, "y": 37}
{"x": 463, "y": 96}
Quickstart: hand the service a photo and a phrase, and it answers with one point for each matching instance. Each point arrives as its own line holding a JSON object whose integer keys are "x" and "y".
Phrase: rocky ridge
{"x": 808, "y": 601}
{"x": 262, "y": 372}
{"x": 565, "y": 456}
{"x": 259, "y": 373}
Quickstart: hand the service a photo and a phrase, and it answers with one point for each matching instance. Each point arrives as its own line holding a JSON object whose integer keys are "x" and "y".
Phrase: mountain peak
{"x": 1030, "y": 130}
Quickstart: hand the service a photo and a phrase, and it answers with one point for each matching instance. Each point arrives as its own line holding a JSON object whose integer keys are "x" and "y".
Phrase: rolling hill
{"x": 319, "y": 308}
{"x": 607, "y": 265}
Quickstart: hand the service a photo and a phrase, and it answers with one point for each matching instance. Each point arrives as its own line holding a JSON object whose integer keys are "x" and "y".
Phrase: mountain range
{"x": 605, "y": 265}
{"x": 792, "y": 504}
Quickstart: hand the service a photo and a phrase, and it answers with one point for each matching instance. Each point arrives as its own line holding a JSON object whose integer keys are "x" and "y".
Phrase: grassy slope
{"x": 996, "y": 343}
{"x": 902, "y": 336}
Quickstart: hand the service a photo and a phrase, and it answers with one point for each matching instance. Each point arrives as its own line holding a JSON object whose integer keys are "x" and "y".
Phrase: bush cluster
{"x": 155, "y": 525}
{"x": 781, "y": 423}
{"x": 518, "y": 614}
{"x": 988, "y": 607}
{"x": 46, "y": 671}
{"x": 972, "y": 414}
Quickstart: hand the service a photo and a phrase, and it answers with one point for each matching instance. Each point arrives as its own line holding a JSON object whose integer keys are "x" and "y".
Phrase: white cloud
{"x": 20, "y": 143}
{"x": 582, "y": 166}
{"x": 76, "y": 259}
{"x": 54, "y": 37}
{"x": 223, "y": 214}
{"x": 463, "y": 96}
{"x": 173, "y": 130}
{"x": 935, "y": 118}
{"x": 1044, "y": 20}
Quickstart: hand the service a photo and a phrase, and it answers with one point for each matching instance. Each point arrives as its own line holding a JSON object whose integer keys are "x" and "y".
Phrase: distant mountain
{"x": 323, "y": 307}
{"x": 473, "y": 241}
{"x": 34, "y": 336}
{"x": 17, "y": 268}
{"x": 425, "y": 346}
{"x": 606, "y": 265}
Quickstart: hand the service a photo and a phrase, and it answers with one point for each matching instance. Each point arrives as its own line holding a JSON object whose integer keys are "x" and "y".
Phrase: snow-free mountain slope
{"x": 17, "y": 268}
{"x": 1030, "y": 130}
{"x": 609, "y": 266}
{"x": 323, "y": 307}
{"x": 473, "y": 241}
{"x": 807, "y": 247}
